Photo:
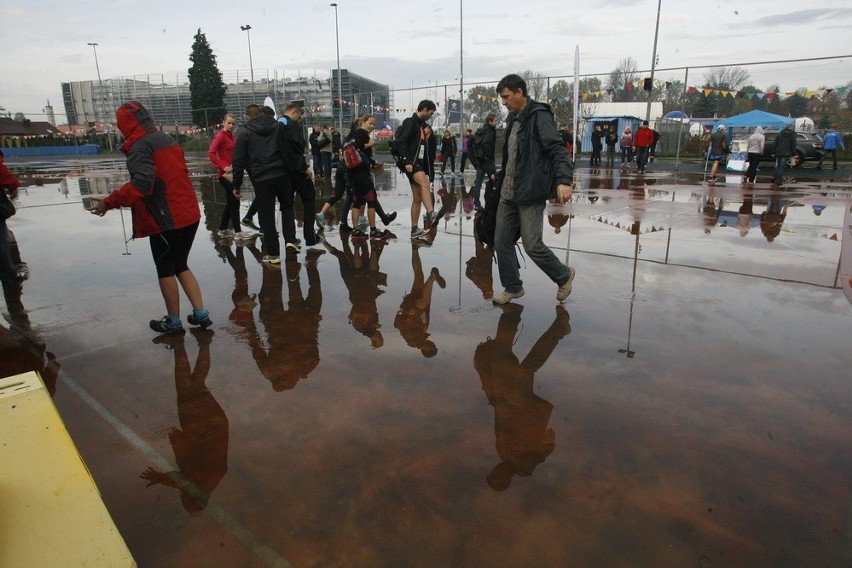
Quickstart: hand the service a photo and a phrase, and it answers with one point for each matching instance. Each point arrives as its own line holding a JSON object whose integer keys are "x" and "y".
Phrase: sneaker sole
{"x": 570, "y": 284}
{"x": 502, "y": 302}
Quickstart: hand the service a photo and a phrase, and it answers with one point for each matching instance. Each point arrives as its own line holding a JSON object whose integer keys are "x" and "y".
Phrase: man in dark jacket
{"x": 414, "y": 159}
{"x": 785, "y": 146}
{"x": 258, "y": 150}
{"x": 165, "y": 208}
{"x": 536, "y": 167}
{"x": 299, "y": 180}
{"x": 484, "y": 143}
{"x": 597, "y": 146}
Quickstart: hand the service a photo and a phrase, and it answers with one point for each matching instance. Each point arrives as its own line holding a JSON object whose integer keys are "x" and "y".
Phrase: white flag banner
{"x": 576, "y": 99}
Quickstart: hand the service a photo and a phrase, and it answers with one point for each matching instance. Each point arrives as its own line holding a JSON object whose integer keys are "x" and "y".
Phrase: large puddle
{"x": 367, "y": 405}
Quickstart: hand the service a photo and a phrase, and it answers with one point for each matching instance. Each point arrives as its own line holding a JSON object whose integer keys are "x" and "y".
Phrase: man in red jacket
{"x": 642, "y": 145}
{"x": 164, "y": 207}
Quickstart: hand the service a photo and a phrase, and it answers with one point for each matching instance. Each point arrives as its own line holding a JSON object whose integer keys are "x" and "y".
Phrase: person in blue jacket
{"x": 830, "y": 142}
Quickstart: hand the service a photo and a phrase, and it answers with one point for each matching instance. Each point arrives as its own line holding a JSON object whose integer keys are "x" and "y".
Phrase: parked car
{"x": 808, "y": 149}
{"x": 383, "y": 134}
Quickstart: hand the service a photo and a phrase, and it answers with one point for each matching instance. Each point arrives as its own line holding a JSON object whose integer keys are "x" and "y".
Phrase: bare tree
{"x": 626, "y": 71}
{"x": 729, "y": 78}
{"x": 561, "y": 97}
{"x": 536, "y": 84}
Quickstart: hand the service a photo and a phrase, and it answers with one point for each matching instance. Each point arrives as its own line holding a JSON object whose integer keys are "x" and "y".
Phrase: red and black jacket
{"x": 159, "y": 192}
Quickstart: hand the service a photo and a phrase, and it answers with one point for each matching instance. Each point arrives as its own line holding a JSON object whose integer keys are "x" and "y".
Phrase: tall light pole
{"x": 101, "y": 88}
{"x": 653, "y": 62}
{"x": 339, "y": 81}
{"x": 246, "y": 28}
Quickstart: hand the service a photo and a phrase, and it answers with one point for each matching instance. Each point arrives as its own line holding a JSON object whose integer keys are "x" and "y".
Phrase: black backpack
{"x": 485, "y": 221}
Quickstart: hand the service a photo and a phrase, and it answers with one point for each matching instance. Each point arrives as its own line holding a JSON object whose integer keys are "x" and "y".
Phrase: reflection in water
{"x": 359, "y": 271}
{"x": 520, "y": 417}
{"x": 33, "y": 354}
{"x": 412, "y": 319}
{"x": 291, "y": 350}
{"x": 772, "y": 219}
{"x": 201, "y": 443}
{"x": 479, "y": 268}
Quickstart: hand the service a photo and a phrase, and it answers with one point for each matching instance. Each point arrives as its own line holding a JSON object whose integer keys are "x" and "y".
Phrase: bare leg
{"x": 190, "y": 288}
{"x": 169, "y": 290}
{"x": 421, "y": 196}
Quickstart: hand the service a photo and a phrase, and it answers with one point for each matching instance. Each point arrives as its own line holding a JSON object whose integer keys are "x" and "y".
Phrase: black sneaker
{"x": 248, "y": 221}
{"x": 345, "y": 228}
{"x": 358, "y": 234}
{"x": 203, "y": 321}
{"x": 388, "y": 219}
{"x": 163, "y": 326}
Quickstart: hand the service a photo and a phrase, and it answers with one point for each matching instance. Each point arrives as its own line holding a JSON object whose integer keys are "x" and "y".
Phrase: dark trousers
{"x": 595, "y": 160}
{"x": 452, "y": 159}
{"x": 266, "y": 192}
{"x": 642, "y": 157}
{"x": 325, "y": 159}
{"x": 463, "y": 162}
{"x": 296, "y": 183}
{"x": 231, "y": 212}
{"x": 753, "y": 162}
{"x": 833, "y": 153}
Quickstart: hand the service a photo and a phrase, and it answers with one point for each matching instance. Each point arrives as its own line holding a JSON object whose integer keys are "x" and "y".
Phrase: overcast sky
{"x": 403, "y": 43}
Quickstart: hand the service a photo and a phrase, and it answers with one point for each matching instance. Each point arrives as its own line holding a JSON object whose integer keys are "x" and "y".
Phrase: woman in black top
{"x": 449, "y": 149}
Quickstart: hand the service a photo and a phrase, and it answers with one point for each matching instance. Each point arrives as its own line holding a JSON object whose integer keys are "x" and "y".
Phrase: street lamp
{"x": 246, "y": 29}
{"x": 101, "y": 87}
{"x": 653, "y": 62}
{"x": 339, "y": 82}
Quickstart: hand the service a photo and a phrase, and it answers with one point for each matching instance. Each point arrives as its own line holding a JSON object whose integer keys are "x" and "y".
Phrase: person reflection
{"x": 412, "y": 318}
{"x": 200, "y": 444}
{"x": 244, "y": 303}
{"x": 28, "y": 352}
{"x": 745, "y": 214}
{"x": 291, "y": 349}
{"x": 772, "y": 219}
{"x": 359, "y": 271}
{"x": 711, "y": 209}
{"x": 521, "y": 418}
{"x": 479, "y": 268}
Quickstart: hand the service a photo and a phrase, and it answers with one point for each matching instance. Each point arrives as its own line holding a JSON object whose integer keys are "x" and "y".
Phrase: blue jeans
{"x": 8, "y": 271}
{"x": 780, "y": 164}
{"x": 530, "y": 219}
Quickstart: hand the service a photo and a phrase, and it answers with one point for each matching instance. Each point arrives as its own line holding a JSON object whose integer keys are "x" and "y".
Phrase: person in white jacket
{"x": 755, "y": 150}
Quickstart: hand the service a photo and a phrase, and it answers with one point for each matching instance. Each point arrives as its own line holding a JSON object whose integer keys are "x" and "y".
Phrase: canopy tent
{"x": 752, "y": 119}
{"x": 618, "y": 122}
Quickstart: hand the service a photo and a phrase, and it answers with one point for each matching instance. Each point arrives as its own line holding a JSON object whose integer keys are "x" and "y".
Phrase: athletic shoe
{"x": 320, "y": 219}
{"x": 363, "y": 223}
{"x": 291, "y": 248}
{"x": 507, "y": 296}
{"x": 565, "y": 290}
{"x": 388, "y": 219}
{"x": 200, "y": 321}
{"x": 245, "y": 235}
{"x": 418, "y": 233}
{"x": 345, "y": 228}
{"x": 358, "y": 234}
{"x": 225, "y": 233}
{"x": 163, "y": 326}
{"x": 271, "y": 259}
{"x": 248, "y": 221}
{"x": 377, "y": 235}
{"x": 435, "y": 216}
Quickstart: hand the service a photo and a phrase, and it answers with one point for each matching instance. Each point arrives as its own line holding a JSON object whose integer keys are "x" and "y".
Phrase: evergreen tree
{"x": 206, "y": 88}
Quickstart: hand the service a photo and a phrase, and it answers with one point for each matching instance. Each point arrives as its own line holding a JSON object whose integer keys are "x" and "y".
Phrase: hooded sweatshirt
{"x": 159, "y": 192}
{"x": 756, "y": 141}
{"x": 258, "y": 149}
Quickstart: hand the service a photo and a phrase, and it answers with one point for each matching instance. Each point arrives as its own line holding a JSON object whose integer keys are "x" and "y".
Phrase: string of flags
{"x": 678, "y": 86}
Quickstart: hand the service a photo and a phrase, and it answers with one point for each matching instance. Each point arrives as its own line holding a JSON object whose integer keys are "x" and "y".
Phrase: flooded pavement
{"x": 367, "y": 405}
